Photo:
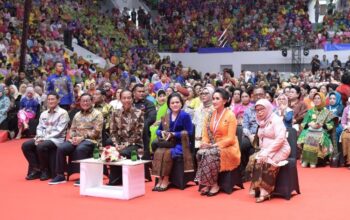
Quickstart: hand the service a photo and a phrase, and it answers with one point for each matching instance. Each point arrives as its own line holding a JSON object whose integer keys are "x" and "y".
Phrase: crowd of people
{"x": 161, "y": 117}
{"x": 248, "y": 25}
{"x": 48, "y": 22}
{"x": 185, "y": 26}
{"x": 334, "y": 29}
{"x": 215, "y": 122}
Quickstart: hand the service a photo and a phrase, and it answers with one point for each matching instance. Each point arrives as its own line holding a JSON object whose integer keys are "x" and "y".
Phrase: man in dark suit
{"x": 150, "y": 114}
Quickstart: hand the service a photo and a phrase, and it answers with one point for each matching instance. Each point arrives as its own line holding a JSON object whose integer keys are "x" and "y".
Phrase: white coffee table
{"x": 91, "y": 179}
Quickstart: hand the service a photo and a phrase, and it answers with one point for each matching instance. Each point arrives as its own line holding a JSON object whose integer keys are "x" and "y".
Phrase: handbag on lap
{"x": 164, "y": 142}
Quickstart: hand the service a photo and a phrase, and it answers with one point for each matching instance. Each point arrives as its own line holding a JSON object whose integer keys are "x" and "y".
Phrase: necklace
{"x": 217, "y": 121}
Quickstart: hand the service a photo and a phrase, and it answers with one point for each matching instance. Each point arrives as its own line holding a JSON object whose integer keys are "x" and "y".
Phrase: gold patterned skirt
{"x": 162, "y": 162}
{"x": 264, "y": 176}
{"x": 345, "y": 139}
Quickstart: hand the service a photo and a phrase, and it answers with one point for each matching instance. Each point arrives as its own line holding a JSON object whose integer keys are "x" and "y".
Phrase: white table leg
{"x": 133, "y": 181}
{"x": 91, "y": 175}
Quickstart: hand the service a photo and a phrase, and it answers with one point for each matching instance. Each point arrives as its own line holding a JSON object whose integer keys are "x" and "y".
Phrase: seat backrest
{"x": 192, "y": 139}
{"x": 38, "y": 112}
{"x": 292, "y": 140}
{"x": 239, "y": 134}
{"x": 333, "y": 135}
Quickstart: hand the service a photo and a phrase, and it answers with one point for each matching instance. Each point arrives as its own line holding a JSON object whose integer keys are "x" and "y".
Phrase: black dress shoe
{"x": 44, "y": 176}
{"x": 163, "y": 189}
{"x": 210, "y": 194}
{"x": 155, "y": 189}
{"x": 33, "y": 175}
{"x": 205, "y": 193}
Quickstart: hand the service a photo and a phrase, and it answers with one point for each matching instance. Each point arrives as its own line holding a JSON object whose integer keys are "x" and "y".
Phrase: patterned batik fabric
{"x": 162, "y": 162}
{"x": 346, "y": 146}
{"x": 264, "y": 176}
{"x": 127, "y": 126}
{"x": 312, "y": 148}
{"x": 250, "y": 166}
{"x": 208, "y": 166}
{"x": 87, "y": 124}
{"x": 106, "y": 110}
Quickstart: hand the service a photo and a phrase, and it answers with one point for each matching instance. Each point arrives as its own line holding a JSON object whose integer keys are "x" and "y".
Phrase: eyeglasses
{"x": 204, "y": 93}
{"x": 260, "y": 109}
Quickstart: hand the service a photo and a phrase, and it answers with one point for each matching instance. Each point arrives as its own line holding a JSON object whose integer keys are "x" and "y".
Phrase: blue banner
{"x": 215, "y": 50}
{"x": 334, "y": 47}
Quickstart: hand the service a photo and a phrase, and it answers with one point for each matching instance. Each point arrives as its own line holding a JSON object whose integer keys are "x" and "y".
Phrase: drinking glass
{"x": 140, "y": 153}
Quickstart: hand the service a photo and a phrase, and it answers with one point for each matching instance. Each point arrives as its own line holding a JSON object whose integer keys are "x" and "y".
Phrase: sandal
{"x": 162, "y": 189}
{"x": 263, "y": 198}
{"x": 210, "y": 193}
{"x": 205, "y": 191}
{"x": 155, "y": 188}
{"x": 254, "y": 193}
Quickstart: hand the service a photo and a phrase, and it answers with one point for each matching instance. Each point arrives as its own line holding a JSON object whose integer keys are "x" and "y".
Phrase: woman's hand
{"x": 314, "y": 125}
{"x": 251, "y": 138}
{"x": 262, "y": 159}
{"x": 157, "y": 123}
{"x": 77, "y": 140}
{"x": 164, "y": 134}
{"x": 205, "y": 145}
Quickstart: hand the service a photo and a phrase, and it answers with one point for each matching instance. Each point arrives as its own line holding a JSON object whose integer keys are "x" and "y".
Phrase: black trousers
{"x": 116, "y": 174}
{"x": 38, "y": 156}
{"x": 82, "y": 151}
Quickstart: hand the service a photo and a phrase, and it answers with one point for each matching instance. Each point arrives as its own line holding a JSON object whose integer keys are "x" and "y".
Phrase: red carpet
{"x": 325, "y": 195}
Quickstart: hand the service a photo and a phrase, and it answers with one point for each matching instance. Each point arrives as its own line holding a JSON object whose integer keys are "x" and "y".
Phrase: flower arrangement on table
{"x": 110, "y": 154}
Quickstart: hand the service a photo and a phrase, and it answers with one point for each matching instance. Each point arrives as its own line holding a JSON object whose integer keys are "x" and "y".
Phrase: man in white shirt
{"x": 50, "y": 132}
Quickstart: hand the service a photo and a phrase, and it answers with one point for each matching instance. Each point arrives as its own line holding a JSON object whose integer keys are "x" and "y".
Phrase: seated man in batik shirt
{"x": 84, "y": 136}
{"x": 126, "y": 132}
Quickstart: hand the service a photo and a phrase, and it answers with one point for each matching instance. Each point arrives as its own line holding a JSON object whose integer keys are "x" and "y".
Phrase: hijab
{"x": 269, "y": 111}
{"x": 163, "y": 109}
{"x": 323, "y": 101}
{"x": 282, "y": 95}
{"x": 15, "y": 94}
{"x": 159, "y": 93}
{"x": 211, "y": 92}
{"x": 337, "y": 108}
{"x": 29, "y": 90}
